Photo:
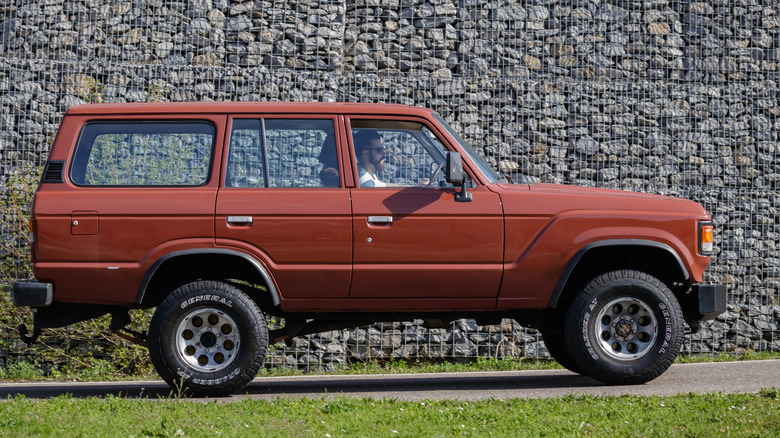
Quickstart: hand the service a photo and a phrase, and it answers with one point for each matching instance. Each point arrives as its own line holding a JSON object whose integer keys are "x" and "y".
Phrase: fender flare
{"x": 275, "y": 300}
{"x": 556, "y": 295}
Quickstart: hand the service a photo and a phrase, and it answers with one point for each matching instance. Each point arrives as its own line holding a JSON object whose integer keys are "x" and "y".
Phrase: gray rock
{"x": 467, "y": 325}
{"x": 238, "y": 23}
{"x": 742, "y": 328}
{"x": 586, "y": 146}
{"x": 464, "y": 348}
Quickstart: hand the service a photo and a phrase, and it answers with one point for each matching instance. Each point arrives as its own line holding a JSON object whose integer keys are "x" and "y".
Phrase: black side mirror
{"x": 454, "y": 168}
{"x": 454, "y": 174}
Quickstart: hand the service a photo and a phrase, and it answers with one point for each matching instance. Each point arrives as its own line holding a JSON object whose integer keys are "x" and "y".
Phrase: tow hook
{"x": 29, "y": 340}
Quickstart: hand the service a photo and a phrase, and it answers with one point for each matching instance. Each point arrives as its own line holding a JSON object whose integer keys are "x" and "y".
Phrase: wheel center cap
{"x": 624, "y": 328}
{"x": 208, "y": 340}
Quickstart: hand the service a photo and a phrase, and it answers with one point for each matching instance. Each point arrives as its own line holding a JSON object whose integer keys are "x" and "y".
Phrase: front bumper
{"x": 712, "y": 300}
{"x": 32, "y": 294}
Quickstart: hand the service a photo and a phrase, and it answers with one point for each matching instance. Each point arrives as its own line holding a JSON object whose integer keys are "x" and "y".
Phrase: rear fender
{"x": 256, "y": 267}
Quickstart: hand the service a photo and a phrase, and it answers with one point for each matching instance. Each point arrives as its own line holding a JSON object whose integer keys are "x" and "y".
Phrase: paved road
{"x": 725, "y": 377}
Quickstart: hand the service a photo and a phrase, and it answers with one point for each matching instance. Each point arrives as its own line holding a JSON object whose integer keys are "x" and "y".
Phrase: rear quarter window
{"x": 143, "y": 154}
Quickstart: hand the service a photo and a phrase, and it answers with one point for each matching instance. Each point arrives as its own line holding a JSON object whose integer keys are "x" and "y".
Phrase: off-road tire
{"x": 624, "y": 327}
{"x": 208, "y": 338}
{"x": 555, "y": 342}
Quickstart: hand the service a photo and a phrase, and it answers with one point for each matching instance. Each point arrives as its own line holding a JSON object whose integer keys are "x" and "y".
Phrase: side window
{"x": 397, "y": 154}
{"x": 295, "y": 150}
{"x": 246, "y": 164}
{"x": 143, "y": 154}
{"x": 282, "y": 153}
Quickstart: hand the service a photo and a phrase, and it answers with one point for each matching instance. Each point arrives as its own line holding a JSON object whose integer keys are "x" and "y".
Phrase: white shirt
{"x": 368, "y": 180}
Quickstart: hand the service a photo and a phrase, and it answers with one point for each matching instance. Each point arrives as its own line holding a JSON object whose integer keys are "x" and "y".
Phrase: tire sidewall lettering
{"x": 586, "y": 339}
{"x": 591, "y": 309}
{"x": 218, "y": 381}
{"x": 666, "y": 336}
{"x": 206, "y": 297}
{"x": 168, "y": 355}
{"x": 586, "y": 329}
{"x": 593, "y": 304}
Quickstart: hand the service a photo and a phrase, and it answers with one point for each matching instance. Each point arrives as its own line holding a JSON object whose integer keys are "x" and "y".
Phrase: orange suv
{"x": 336, "y": 215}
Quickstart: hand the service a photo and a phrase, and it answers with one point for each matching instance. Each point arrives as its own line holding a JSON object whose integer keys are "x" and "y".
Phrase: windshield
{"x": 488, "y": 172}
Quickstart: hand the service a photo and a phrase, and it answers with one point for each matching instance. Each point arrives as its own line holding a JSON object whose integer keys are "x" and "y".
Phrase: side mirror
{"x": 454, "y": 168}
{"x": 454, "y": 174}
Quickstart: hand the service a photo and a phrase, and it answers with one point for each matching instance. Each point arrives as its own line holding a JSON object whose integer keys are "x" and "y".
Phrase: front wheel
{"x": 624, "y": 327}
{"x": 208, "y": 339}
{"x": 556, "y": 346}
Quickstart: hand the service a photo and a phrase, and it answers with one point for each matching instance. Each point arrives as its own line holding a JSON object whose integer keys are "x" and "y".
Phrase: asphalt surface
{"x": 704, "y": 378}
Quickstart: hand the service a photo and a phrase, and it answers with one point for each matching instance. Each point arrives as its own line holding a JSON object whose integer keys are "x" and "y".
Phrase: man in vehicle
{"x": 371, "y": 158}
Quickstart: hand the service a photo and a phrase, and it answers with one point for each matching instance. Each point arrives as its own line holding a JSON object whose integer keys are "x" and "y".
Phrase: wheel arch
{"x": 655, "y": 258}
{"x": 180, "y": 267}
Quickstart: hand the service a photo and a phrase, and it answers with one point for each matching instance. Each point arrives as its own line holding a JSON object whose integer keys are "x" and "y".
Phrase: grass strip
{"x": 683, "y": 415}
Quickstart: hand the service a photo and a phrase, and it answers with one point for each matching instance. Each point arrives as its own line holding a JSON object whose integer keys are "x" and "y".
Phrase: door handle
{"x": 383, "y": 220}
{"x": 239, "y": 220}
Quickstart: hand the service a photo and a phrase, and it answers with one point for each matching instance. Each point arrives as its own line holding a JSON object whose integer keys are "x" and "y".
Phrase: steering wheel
{"x": 436, "y": 171}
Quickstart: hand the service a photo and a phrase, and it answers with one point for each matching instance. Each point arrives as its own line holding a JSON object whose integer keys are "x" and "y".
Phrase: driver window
{"x": 397, "y": 154}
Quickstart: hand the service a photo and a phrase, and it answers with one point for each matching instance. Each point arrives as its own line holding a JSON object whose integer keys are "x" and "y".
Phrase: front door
{"x": 412, "y": 240}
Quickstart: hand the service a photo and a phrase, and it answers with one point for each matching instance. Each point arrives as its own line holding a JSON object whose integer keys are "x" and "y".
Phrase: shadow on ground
{"x": 312, "y": 386}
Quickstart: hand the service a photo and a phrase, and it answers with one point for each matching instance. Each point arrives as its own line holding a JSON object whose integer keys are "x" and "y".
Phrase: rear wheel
{"x": 624, "y": 327}
{"x": 208, "y": 339}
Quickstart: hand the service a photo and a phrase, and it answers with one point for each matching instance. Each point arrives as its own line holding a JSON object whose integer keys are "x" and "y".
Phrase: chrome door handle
{"x": 380, "y": 220}
{"x": 239, "y": 219}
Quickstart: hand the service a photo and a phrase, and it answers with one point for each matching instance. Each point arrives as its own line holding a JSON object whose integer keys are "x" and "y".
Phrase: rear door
{"x": 135, "y": 187}
{"x": 418, "y": 242}
{"x": 284, "y": 201}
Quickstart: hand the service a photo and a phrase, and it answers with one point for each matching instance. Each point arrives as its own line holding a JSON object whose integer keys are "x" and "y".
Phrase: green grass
{"x": 684, "y": 415}
{"x": 395, "y": 366}
{"x": 94, "y": 371}
{"x": 724, "y": 357}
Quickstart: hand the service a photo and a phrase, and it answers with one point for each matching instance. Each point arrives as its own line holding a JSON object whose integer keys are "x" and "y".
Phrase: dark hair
{"x": 363, "y": 140}
{"x": 328, "y": 152}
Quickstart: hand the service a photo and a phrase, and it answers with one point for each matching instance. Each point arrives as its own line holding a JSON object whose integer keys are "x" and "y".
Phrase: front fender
{"x": 611, "y": 243}
{"x": 537, "y": 267}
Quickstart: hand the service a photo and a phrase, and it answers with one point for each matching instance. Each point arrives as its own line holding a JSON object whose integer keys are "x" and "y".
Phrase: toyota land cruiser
{"x": 338, "y": 215}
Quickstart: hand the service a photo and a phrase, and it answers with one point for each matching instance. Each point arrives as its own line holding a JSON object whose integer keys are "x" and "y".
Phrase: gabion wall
{"x": 669, "y": 97}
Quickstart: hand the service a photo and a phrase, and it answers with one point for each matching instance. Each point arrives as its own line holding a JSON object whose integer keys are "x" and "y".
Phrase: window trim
{"x": 482, "y": 167}
{"x": 432, "y": 127}
{"x": 337, "y": 127}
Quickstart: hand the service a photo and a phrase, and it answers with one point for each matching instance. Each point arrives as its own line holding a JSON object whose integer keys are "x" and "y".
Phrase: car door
{"x": 413, "y": 240}
{"x": 283, "y": 200}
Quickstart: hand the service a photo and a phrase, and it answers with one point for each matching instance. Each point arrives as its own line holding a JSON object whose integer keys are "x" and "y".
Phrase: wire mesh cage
{"x": 668, "y": 97}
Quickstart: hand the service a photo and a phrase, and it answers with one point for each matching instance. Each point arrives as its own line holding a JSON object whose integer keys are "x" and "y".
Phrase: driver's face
{"x": 376, "y": 154}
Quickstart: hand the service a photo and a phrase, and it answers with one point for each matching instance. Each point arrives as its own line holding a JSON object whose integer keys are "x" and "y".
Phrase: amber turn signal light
{"x": 705, "y": 238}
